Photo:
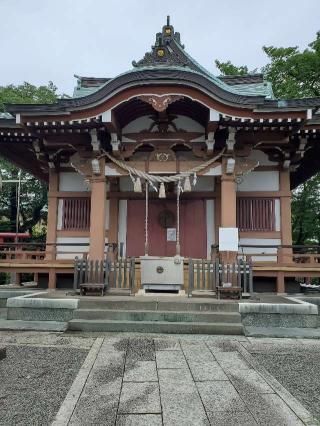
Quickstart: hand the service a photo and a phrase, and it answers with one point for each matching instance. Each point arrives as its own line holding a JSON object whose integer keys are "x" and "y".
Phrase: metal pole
{"x": 18, "y": 205}
{"x": 178, "y": 221}
{"x": 146, "y": 243}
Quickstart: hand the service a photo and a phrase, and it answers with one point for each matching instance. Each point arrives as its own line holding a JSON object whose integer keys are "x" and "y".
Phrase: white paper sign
{"x": 228, "y": 239}
{"x": 171, "y": 234}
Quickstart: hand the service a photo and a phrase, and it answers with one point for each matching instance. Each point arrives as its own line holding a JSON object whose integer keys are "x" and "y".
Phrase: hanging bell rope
{"x": 162, "y": 179}
{"x": 162, "y": 191}
{"x": 187, "y": 185}
{"x": 137, "y": 185}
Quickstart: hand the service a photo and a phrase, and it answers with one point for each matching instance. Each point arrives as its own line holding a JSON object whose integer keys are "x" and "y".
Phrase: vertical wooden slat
{"x": 125, "y": 273}
{"x": 245, "y": 282}
{"x": 132, "y": 273}
{"x": 115, "y": 274}
{"x": 203, "y": 274}
{"x": 191, "y": 275}
{"x": 120, "y": 273}
{"x": 96, "y": 272}
{"x": 76, "y": 214}
{"x": 208, "y": 263}
{"x": 76, "y": 274}
{"x": 256, "y": 214}
{"x": 198, "y": 275}
{"x": 106, "y": 272}
{"x": 239, "y": 272}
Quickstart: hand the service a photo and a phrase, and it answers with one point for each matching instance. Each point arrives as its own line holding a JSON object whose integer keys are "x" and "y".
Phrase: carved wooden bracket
{"x": 160, "y": 103}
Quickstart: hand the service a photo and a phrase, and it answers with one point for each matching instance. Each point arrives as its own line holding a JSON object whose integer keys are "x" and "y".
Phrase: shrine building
{"x": 161, "y": 160}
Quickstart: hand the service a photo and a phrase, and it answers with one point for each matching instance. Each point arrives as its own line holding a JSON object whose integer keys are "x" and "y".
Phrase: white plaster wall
{"x": 60, "y": 210}
{"x": 262, "y": 250}
{"x": 188, "y": 124}
{"x": 261, "y": 157}
{"x": 125, "y": 184}
{"x": 70, "y": 252}
{"x": 181, "y": 122}
{"x": 135, "y": 126}
{"x": 72, "y": 182}
{"x": 213, "y": 171}
{"x": 204, "y": 183}
{"x": 210, "y": 225}
{"x": 122, "y": 227}
{"x": 260, "y": 181}
{"x": 277, "y": 214}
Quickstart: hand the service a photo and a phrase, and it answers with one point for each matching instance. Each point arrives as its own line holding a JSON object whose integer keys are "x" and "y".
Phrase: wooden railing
{"x": 117, "y": 274}
{"x": 208, "y": 274}
{"x": 31, "y": 252}
{"x": 35, "y": 251}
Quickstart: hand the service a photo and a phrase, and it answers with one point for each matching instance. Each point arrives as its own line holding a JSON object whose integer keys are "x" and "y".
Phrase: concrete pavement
{"x": 176, "y": 381}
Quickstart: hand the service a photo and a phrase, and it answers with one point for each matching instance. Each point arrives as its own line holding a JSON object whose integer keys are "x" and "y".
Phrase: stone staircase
{"x": 186, "y": 316}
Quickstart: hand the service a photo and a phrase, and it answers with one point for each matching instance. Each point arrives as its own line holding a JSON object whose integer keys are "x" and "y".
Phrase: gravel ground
{"x": 297, "y": 367}
{"x": 34, "y": 382}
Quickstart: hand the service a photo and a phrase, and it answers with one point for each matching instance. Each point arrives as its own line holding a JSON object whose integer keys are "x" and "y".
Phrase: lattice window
{"x": 256, "y": 214}
{"x": 76, "y": 214}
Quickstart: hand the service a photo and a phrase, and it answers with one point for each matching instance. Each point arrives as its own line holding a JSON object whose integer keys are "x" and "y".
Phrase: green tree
{"x": 227, "y": 68}
{"x": 33, "y": 198}
{"x": 294, "y": 74}
{"x": 306, "y": 212}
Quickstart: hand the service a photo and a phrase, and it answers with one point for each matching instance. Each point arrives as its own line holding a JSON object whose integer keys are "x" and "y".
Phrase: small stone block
{"x": 220, "y": 396}
{"x": 170, "y": 359}
{"x": 140, "y": 398}
{"x": 140, "y": 371}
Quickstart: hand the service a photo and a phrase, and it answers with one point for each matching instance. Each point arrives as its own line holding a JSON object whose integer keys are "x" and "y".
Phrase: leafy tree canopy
{"x": 293, "y": 74}
{"x": 227, "y": 68}
{"x": 33, "y": 192}
{"x": 27, "y": 93}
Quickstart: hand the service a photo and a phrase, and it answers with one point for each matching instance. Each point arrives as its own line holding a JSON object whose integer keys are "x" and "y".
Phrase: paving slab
{"x": 139, "y": 420}
{"x": 230, "y": 361}
{"x": 171, "y": 359}
{"x": 206, "y": 371}
{"x": 140, "y": 371}
{"x": 247, "y": 382}
{"x": 197, "y": 351}
{"x": 99, "y": 400}
{"x": 140, "y": 398}
{"x": 220, "y": 396}
{"x": 271, "y": 410}
{"x": 141, "y": 349}
{"x": 221, "y": 418}
{"x": 166, "y": 345}
{"x": 181, "y": 403}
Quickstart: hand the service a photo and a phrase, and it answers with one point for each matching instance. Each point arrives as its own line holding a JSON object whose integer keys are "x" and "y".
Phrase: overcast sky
{"x": 44, "y": 40}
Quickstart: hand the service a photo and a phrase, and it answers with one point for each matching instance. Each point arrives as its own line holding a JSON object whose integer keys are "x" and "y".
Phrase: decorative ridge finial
{"x": 166, "y": 50}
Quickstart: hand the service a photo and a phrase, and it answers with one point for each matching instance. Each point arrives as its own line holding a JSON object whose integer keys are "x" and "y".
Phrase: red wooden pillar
{"x": 98, "y": 215}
